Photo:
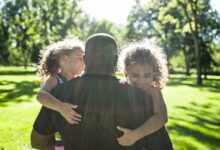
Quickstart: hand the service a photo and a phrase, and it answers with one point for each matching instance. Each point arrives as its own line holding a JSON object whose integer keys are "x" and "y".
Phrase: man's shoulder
{"x": 128, "y": 91}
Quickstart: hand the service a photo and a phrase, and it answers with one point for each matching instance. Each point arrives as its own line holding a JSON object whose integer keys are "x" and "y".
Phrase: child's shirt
{"x": 60, "y": 79}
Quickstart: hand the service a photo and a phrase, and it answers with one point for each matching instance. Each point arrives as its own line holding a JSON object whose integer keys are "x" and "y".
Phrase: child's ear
{"x": 62, "y": 59}
{"x": 126, "y": 72}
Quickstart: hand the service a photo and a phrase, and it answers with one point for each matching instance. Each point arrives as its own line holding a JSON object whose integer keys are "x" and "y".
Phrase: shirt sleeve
{"x": 44, "y": 123}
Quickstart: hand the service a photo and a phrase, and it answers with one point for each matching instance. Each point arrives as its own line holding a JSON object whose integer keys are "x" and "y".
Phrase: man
{"x": 103, "y": 101}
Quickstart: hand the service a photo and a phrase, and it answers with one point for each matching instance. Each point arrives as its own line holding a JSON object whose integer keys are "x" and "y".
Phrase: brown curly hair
{"x": 146, "y": 52}
{"x": 50, "y": 56}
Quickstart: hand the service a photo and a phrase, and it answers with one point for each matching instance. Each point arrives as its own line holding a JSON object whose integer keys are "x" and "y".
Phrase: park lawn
{"x": 18, "y": 107}
{"x": 194, "y": 122}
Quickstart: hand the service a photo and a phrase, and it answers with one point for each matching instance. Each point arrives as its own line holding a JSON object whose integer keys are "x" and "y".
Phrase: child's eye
{"x": 147, "y": 75}
{"x": 80, "y": 58}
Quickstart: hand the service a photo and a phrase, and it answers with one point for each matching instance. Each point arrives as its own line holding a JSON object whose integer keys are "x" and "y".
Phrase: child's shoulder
{"x": 52, "y": 80}
{"x": 123, "y": 81}
{"x": 154, "y": 91}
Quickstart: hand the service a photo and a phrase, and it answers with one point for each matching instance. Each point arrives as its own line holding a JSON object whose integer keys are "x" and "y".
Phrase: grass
{"x": 18, "y": 107}
{"x": 194, "y": 122}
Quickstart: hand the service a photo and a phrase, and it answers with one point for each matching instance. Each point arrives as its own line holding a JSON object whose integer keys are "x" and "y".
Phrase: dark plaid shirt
{"x": 104, "y": 103}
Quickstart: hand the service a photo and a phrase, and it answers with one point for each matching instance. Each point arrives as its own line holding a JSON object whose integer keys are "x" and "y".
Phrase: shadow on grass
{"x": 204, "y": 117}
{"x": 196, "y": 134}
{"x": 212, "y": 85}
{"x": 25, "y": 88}
{"x": 18, "y": 73}
{"x": 203, "y": 111}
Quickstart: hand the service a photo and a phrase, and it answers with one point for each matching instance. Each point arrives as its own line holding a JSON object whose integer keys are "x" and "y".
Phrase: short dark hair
{"x": 100, "y": 52}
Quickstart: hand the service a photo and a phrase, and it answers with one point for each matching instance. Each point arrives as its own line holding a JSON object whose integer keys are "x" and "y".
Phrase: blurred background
{"x": 187, "y": 30}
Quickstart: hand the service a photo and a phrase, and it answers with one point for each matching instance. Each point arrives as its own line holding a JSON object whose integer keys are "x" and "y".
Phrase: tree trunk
{"x": 186, "y": 61}
{"x": 195, "y": 35}
{"x": 24, "y": 47}
{"x": 205, "y": 72}
{"x": 187, "y": 66}
{"x": 198, "y": 68}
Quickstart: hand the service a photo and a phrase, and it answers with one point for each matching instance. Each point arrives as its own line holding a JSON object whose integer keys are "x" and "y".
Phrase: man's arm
{"x": 43, "y": 142}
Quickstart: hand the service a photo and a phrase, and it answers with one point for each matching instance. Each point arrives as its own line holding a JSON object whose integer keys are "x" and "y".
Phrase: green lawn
{"x": 194, "y": 122}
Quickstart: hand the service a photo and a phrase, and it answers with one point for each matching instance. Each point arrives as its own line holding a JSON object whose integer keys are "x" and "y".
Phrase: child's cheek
{"x": 132, "y": 81}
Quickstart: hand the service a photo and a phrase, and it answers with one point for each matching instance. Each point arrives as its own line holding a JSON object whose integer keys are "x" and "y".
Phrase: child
{"x": 143, "y": 66}
{"x": 60, "y": 62}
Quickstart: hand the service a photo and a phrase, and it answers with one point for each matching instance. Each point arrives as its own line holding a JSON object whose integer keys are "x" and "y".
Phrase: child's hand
{"x": 66, "y": 110}
{"x": 129, "y": 137}
{"x": 154, "y": 84}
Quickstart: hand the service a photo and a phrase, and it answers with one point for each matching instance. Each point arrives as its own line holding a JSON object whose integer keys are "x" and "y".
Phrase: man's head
{"x": 100, "y": 54}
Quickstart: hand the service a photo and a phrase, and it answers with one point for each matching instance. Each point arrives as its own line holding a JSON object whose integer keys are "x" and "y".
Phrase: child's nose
{"x": 140, "y": 82}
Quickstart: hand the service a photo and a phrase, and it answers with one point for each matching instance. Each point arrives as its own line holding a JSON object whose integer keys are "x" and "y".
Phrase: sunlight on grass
{"x": 193, "y": 113}
{"x": 16, "y": 124}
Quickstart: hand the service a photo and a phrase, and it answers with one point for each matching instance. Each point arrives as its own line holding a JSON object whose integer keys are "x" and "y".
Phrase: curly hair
{"x": 146, "y": 52}
{"x": 50, "y": 56}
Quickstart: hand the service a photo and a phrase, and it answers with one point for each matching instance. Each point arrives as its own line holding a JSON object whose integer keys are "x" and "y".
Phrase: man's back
{"x": 103, "y": 103}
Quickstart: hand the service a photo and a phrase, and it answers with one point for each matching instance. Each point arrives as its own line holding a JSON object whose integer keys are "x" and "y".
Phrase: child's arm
{"x": 151, "y": 125}
{"x": 49, "y": 101}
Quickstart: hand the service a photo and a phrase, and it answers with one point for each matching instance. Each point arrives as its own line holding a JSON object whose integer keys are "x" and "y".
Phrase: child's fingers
{"x": 76, "y": 119}
{"x": 121, "y": 141}
{"x": 121, "y": 129}
{"x": 73, "y": 106}
{"x": 120, "y": 138}
{"x": 154, "y": 84}
{"x": 72, "y": 121}
{"x": 75, "y": 122}
{"x": 73, "y": 113}
{"x": 69, "y": 121}
{"x": 77, "y": 115}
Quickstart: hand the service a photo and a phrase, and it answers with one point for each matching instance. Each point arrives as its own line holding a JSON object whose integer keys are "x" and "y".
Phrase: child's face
{"x": 139, "y": 75}
{"x": 75, "y": 62}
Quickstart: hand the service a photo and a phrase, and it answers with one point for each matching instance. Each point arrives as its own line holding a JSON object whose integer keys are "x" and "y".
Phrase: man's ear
{"x": 84, "y": 59}
{"x": 115, "y": 60}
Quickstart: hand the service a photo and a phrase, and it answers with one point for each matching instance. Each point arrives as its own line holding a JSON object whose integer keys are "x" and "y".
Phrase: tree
{"x": 29, "y": 25}
{"x": 4, "y": 35}
{"x": 178, "y": 25}
{"x": 89, "y": 26}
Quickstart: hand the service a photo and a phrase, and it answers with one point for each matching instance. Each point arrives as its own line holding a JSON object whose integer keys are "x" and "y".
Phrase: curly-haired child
{"x": 60, "y": 62}
{"x": 145, "y": 67}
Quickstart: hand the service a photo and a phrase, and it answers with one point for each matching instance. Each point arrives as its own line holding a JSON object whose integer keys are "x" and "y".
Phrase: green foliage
{"x": 91, "y": 26}
{"x": 167, "y": 22}
{"x": 27, "y": 26}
